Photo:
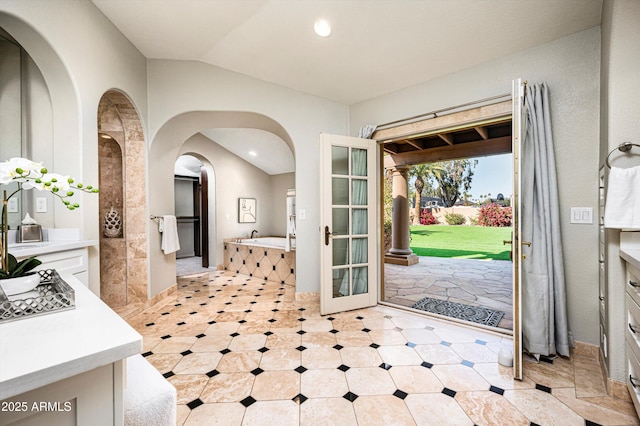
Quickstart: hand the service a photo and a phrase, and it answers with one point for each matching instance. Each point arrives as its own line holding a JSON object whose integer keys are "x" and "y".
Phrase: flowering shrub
{"x": 454, "y": 218}
{"x": 427, "y": 218}
{"x": 494, "y": 215}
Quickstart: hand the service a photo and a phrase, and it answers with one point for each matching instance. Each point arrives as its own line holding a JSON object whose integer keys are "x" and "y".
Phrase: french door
{"x": 517, "y": 123}
{"x": 349, "y": 224}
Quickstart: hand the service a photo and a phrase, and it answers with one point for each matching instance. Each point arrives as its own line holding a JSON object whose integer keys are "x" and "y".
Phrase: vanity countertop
{"x": 21, "y": 250}
{"x": 631, "y": 255}
{"x": 37, "y": 351}
{"x": 630, "y": 248}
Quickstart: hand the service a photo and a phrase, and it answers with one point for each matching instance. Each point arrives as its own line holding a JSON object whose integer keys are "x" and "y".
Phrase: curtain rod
{"x": 439, "y": 111}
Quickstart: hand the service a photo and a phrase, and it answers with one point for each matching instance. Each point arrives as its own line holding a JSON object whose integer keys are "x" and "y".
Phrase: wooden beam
{"x": 450, "y": 152}
{"x": 447, "y": 138}
{"x": 482, "y": 132}
{"x": 459, "y": 120}
{"x": 413, "y": 143}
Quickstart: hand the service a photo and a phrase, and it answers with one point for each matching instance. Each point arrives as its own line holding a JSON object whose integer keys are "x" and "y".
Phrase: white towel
{"x": 622, "y": 209}
{"x": 168, "y": 226}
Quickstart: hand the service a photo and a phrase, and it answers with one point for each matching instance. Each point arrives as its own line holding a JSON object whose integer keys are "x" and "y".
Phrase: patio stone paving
{"x": 485, "y": 283}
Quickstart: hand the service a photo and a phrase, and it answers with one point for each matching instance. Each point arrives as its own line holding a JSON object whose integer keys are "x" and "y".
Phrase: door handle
{"x": 505, "y": 242}
{"x": 327, "y": 234}
{"x": 526, "y": 243}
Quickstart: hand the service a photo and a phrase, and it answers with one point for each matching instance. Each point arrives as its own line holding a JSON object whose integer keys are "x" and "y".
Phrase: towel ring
{"x": 623, "y": 147}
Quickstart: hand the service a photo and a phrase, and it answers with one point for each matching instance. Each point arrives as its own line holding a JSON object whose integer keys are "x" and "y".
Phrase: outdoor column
{"x": 400, "y": 253}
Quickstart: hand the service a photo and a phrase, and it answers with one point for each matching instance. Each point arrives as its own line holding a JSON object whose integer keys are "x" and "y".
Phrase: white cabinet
{"x": 630, "y": 252}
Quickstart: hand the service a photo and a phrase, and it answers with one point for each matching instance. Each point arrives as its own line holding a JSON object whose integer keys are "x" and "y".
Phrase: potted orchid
{"x": 28, "y": 174}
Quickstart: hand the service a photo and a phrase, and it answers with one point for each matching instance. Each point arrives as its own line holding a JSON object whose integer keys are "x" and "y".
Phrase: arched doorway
{"x": 122, "y": 202}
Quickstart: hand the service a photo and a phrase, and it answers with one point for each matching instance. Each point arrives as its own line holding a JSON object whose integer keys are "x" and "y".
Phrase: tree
{"x": 455, "y": 178}
{"x": 422, "y": 172}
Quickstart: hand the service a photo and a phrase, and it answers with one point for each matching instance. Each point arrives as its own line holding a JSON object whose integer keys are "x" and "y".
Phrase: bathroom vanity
{"x": 630, "y": 252}
{"x": 66, "y": 368}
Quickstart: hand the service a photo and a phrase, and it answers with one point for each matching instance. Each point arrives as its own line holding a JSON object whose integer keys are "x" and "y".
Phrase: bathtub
{"x": 272, "y": 242}
{"x": 263, "y": 258}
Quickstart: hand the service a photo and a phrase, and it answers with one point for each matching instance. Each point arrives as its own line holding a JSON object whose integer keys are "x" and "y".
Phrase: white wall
{"x": 81, "y": 55}
{"x": 279, "y": 185}
{"x": 187, "y": 97}
{"x": 620, "y": 111}
{"x": 571, "y": 67}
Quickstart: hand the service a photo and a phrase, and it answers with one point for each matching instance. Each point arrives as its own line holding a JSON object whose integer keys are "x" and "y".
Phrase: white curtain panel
{"x": 544, "y": 310}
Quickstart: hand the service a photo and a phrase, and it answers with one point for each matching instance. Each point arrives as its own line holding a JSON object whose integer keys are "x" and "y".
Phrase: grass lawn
{"x": 468, "y": 242}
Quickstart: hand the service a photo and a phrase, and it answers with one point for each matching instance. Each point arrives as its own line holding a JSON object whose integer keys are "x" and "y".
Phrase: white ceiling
{"x": 377, "y": 46}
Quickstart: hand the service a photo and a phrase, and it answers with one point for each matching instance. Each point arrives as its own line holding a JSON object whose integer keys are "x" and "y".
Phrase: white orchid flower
{"x": 55, "y": 180}
{"x": 17, "y": 169}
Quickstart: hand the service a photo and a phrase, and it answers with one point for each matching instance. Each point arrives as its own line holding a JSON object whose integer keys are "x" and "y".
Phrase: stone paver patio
{"x": 473, "y": 282}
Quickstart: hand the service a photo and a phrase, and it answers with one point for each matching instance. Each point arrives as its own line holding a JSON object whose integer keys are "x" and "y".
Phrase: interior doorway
{"x": 436, "y": 271}
{"x": 191, "y": 189}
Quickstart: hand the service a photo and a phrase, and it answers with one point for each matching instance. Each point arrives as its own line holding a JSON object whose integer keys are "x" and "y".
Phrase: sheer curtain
{"x": 359, "y": 246}
{"x": 545, "y": 326}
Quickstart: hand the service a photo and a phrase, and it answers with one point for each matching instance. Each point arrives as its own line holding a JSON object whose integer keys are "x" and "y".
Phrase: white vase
{"x": 18, "y": 285}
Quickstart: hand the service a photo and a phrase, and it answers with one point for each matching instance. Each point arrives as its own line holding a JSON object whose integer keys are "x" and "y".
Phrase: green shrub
{"x": 454, "y": 218}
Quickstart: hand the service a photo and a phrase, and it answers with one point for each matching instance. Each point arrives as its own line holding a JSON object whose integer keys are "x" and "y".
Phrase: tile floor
{"x": 474, "y": 282}
{"x": 241, "y": 351}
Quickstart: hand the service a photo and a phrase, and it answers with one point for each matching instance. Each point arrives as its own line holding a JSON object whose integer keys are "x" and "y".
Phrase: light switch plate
{"x": 581, "y": 215}
{"x": 41, "y": 205}
{"x": 302, "y": 214}
{"x": 12, "y": 205}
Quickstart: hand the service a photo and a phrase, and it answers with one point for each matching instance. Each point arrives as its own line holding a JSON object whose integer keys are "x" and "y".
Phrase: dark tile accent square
{"x": 178, "y": 304}
{"x": 533, "y": 424}
{"x": 338, "y": 347}
{"x": 194, "y": 404}
{"x": 496, "y": 390}
{"x": 265, "y": 253}
{"x": 150, "y": 324}
{"x": 257, "y": 371}
{"x": 300, "y": 369}
{"x": 234, "y": 334}
{"x": 268, "y": 333}
{"x": 166, "y": 336}
{"x": 146, "y": 354}
{"x": 374, "y": 345}
{"x": 181, "y": 323}
{"x": 331, "y": 318}
{"x": 275, "y": 310}
{"x": 211, "y": 322}
{"x": 185, "y": 353}
{"x": 397, "y": 329}
{"x": 426, "y": 364}
{"x": 203, "y": 304}
{"x": 278, "y": 301}
{"x": 292, "y": 270}
{"x": 228, "y": 303}
{"x": 165, "y": 313}
{"x": 299, "y": 398}
{"x": 400, "y": 394}
{"x": 343, "y": 367}
{"x": 272, "y": 320}
{"x": 301, "y": 332}
{"x": 273, "y": 267}
{"x": 301, "y": 348}
{"x": 168, "y": 374}
{"x": 247, "y": 311}
{"x": 302, "y": 319}
{"x": 192, "y": 313}
{"x": 334, "y": 331}
{"x": 263, "y": 349}
{"x": 449, "y": 392}
{"x": 350, "y": 396}
{"x": 212, "y": 373}
{"x": 366, "y": 330}
{"x": 385, "y": 366}
{"x": 225, "y": 351}
{"x": 242, "y": 321}
{"x": 360, "y": 318}
{"x": 590, "y": 423}
{"x": 543, "y": 388}
{"x": 281, "y": 255}
{"x": 301, "y": 309}
{"x": 211, "y": 297}
{"x": 248, "y": 401}
{"x": 220, "y": 312}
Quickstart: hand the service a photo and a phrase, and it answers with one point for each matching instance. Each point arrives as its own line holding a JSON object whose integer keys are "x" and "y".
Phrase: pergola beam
{"x": 482, "y": 132}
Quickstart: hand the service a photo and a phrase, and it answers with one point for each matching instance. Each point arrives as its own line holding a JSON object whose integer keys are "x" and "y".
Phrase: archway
{"x": 122, "y": 201}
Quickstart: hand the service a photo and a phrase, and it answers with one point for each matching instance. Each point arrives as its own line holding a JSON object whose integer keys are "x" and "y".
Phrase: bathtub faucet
{"x": 255, "y": 231}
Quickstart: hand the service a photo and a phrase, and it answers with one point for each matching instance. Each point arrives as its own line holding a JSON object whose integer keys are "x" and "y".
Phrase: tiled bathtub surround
{"x": 241, "y": 350}
{"x": 271, "y": 264}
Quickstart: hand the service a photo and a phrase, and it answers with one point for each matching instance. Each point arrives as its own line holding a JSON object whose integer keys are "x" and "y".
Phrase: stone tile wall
{"x": 271, "y": 264}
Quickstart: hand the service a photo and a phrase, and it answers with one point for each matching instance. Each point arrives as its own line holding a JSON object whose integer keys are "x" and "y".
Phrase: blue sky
{"x": 492, "y": 175}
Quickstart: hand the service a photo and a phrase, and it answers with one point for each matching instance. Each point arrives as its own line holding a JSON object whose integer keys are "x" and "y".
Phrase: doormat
{"x": 476, "y": 314}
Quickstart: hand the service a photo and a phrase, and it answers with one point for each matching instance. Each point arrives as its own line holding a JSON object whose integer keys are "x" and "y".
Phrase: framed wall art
{"x": 246, "y": 210}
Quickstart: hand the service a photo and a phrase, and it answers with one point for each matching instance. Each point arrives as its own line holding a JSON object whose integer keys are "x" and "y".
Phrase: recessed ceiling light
{"x": 105, "y": 136}
{"x": 322, "y": 28}
{"x": 253, "y": 153}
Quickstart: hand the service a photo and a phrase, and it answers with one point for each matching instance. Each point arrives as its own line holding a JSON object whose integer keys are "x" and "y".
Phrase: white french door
{"x": 349, "y": 223}
{"x": 517, "y": 123}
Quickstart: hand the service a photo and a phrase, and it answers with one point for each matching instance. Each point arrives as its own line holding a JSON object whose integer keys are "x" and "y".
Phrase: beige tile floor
{"x": 474, "y": 282}
{"x": 241, "y": 351}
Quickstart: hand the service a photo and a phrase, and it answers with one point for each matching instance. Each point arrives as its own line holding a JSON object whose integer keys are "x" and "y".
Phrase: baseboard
{"x": 587, "y": 350}
{"x": 165, "y": 293}
{"x": 308, "y": 297}
{"x": 615, "y": 389}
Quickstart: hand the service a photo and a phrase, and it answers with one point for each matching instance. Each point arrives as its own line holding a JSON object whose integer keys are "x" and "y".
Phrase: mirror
{"x": 27, "y": 125}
